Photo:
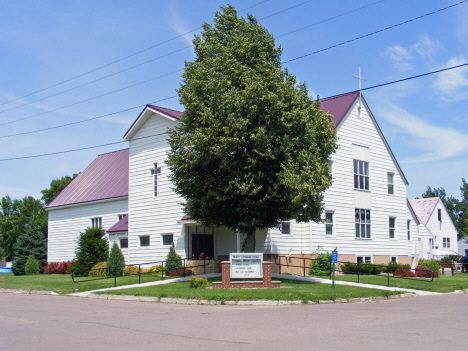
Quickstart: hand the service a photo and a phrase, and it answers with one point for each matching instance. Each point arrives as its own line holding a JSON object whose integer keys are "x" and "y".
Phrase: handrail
{"x": 358, "y": 271}
{"x": 113, "y": 270}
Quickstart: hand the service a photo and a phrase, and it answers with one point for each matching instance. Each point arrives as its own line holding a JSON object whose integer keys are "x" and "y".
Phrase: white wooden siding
{"x": 442, "y": 229}
{"x": 65, "y": 225}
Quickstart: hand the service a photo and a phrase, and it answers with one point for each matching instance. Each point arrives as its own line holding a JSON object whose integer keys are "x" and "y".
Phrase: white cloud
{"x": 426, "y": 47}
{"x": 398, "y": 53}
{"x": 176, "y": 23}
{"x": 437, "y": 143}
{"x": 451, "y": 85}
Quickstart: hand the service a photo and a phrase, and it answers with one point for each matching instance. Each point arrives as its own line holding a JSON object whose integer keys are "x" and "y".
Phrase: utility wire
{"x": 331, "y": 97}
{"x": 378, "y": 31}
{"x": 283, "y": 62}
{"x": 132, "y": 67}
{"x": 121, "y": 59}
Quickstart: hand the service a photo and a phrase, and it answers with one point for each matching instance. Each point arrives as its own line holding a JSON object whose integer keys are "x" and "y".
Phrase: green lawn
{"x": 443, "y": 284}
{"x": 63, "y": 284}
{"x": 291, "y": 290}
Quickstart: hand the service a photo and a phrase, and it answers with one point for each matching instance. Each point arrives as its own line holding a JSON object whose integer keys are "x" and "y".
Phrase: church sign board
{"x": 246, "y": 265}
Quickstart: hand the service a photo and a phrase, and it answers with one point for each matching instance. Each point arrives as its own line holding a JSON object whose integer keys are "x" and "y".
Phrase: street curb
{"x": 28, "y": 292}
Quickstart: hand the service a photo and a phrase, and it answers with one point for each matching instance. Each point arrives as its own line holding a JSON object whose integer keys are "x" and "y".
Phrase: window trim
{"x": 408, "y": 229}
{"x": 392, "y": 184}
{"x": 360, "y": 224}
{"x": 121, "y": 216}
{"x": 364, "y": 257}
{"x": 162, "y": 239}
{"x": 358, "y": 175}
{"x": 98, "y": 219}
{"x": 394, "y": 257}
{"x": 290, "y": 228}
{"x": 144, "y": 236}
{"x": 390, "y": 228}
{"x": 120, "y": 243}
{"x": 332, "y": 223}
{"x": 446, "y": 242}
{"x": 439, "y": 215}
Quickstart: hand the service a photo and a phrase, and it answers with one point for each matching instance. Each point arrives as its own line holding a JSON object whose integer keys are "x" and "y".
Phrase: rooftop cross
{"x": 360, "y": 100}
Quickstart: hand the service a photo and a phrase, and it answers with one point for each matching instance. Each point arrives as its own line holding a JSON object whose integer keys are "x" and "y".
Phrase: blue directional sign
{"x": 334, "y": 257}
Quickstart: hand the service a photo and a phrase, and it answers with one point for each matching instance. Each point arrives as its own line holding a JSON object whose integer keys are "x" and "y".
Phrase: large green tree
{"x": 92, "y": 248}
{"x": 56, "y": 186}
{"x": 14, "y": 218}
{"x": 32, "y": 241}
{"x": 252, "y": 149}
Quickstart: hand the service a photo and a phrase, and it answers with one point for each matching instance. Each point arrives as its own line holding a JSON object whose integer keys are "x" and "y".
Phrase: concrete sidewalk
{"x": 159, "y": 282}
{"x": 340, "y": 282}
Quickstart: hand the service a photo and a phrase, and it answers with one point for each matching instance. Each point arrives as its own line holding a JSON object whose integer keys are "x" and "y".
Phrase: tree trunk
{"x": 250, "y": 240}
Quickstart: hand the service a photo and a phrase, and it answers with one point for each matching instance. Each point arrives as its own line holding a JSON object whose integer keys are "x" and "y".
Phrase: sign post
{"x": 334, "y": 261}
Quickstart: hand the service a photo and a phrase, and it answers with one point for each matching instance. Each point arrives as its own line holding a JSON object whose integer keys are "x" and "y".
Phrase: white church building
{"x": 367, "y": 215}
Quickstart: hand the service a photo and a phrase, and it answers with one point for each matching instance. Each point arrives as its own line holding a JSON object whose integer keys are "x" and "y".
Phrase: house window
{"x": 363, "y": 223}
{"x": 155, "y": 172}
{"x": 390, "y": 177}
{"x": 329, "y": 223}
{"x": 96, "y": 222}
{"x": 361, "y": 175}
{"x": 167, "y": 239}
{"x": 391, "y": 227}
{"x": 120, "y": 216}
{"x": 439, "y": 215}
{"x": 431, "y": 243}
{"x": 124, "y": 243}
{"x": 285, "y": 228}
{"x": 364, "y": 259}
{"x": 446, "y": 243}
{"x": 393, "y": 259}
{"x": 408, "y": 229}
{"x": 144, "y": 241}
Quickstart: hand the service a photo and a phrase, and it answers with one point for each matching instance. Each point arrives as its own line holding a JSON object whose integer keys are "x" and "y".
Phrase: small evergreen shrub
{"x": 92, "y": 248}
{"x": 31, "y": 267}
{"x": 402, "y": 272}
{"x": 180, "y": 272}
{"x": 432, "y": 264}
{"x": 116, "y": 261}
{"x": 364, "y": 268}
{"x": 100, "y": 270}
{"x": 173, "y": 261}
{"x": 155, "y": 270}
{"x": 447, "y": 259}
{"x": 57, "y": 267}
{"x": 198, "y": 282}
{"x": 321, "y": 265}
{"x": 426, "y": 272}
{"x": 393, "y": 266}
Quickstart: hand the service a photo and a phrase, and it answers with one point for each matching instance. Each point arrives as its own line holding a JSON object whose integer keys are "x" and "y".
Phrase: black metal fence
{"x": 114, "y": 271}
{"x": 359, "y": 269}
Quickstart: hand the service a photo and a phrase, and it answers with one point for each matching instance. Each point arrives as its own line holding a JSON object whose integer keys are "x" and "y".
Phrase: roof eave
{"x": 141, "y": 119}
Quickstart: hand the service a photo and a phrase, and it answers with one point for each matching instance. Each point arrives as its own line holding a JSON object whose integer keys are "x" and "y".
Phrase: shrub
{"x": 116, "y": 261}
{"x": 364, "y": 268}
{"x": 92, "y": 248}
{"x": 100, "y": 270}
{"x": 133, "y": 270}
{"x": 426, "y": 272}
{"x": 31, "y": 267}
{"x": 432, "y": 264}
{"x": 403, "y": 272}
{"x": 198, "y": 282}
{"x": 155, "y": 270}
{"x": 31, "y": 242}
{"x": 180, "y": 272}
{"x": 447, "y": 259}
{"x": 173, "y": 261}
{"x": 393, "y": 266}
{"x": 321, "y": 265}
{"x": 57, "y": 267}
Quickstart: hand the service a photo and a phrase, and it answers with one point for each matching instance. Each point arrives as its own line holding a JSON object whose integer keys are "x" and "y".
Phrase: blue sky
{"x": 44, "y": 43}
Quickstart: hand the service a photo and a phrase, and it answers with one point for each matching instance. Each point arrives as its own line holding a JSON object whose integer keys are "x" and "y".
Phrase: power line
{"x": 85, "y": 120}
{"x": 378, "y": 31}
{"x": 327, "y": 98}
{"x": 283, "y": 62}
{"x": 132, "y": 67}
{"x": 121, "y": 59}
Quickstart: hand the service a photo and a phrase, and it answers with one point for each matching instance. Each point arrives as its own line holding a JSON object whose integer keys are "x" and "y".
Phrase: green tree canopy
{"x": 92, "y": 247}
{"x": 116, "y": 260}
{"x": 14, "y": 218}
{"x": 252, "y": 149}
{"x": 56, "y": 186}
{"x": 32, "y": 241}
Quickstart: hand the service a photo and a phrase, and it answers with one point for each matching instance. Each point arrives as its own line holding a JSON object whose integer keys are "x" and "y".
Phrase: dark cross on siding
{"x": 155, "y": 171}
{"x": 360, "y": 96}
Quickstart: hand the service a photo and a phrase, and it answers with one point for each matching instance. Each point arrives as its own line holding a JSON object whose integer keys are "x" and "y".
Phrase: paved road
{"x": 34, "y": 322}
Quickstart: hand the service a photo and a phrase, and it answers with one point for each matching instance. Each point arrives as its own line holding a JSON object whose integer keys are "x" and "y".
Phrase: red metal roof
{"x": 424, "y": 207}
{"x": 120, "y": 226}
{"x": 171, "y": 113}
{"x": 105, "y": 178}
{"x": 339, "y": 105}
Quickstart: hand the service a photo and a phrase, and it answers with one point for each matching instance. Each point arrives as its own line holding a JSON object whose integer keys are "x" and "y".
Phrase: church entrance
{"x": 201, "y": 242}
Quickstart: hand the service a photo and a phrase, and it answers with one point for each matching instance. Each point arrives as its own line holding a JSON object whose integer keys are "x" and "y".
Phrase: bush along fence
{"x": 322, "y": 266}
{"x": 101, "y": 271}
